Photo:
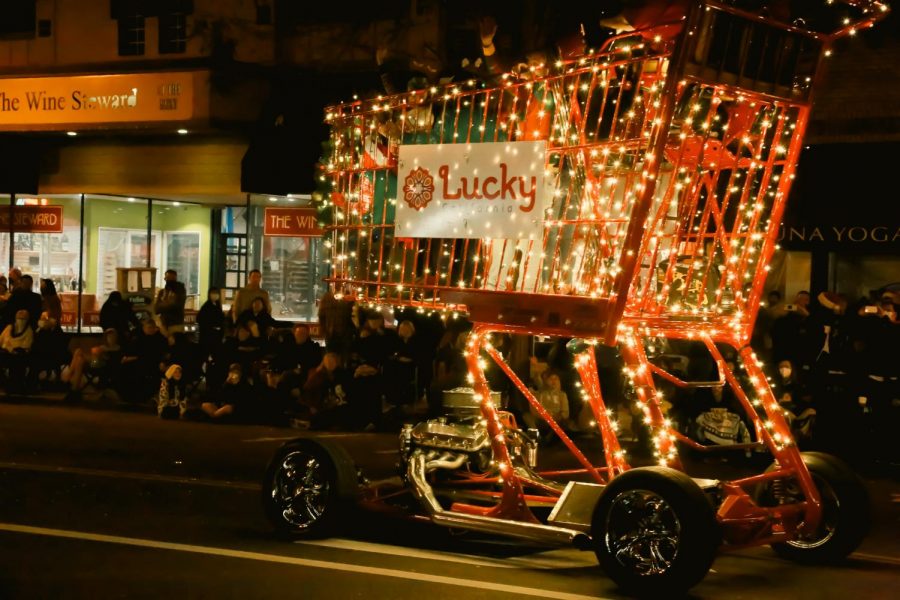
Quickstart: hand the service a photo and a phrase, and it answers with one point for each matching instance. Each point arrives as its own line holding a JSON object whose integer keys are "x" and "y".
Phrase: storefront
{"x": 284, "y": 241}
{"x": 67, "y": 237}
{"x": 840, "y": 231}
{"x": 95, "y": 235}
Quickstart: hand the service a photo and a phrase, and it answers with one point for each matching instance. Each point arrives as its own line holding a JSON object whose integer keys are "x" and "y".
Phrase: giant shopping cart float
{"x": 629, "y": 194}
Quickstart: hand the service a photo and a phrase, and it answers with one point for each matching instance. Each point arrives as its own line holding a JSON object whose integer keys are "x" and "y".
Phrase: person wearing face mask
{"x": 795, "y": 402}
{"x": 211, "y": 322}
{"x": 232, "y": 399}
{"x": 15, "y": 344}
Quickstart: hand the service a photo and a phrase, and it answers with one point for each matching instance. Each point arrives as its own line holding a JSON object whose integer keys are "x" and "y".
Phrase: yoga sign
{"x": 492, "y": 190}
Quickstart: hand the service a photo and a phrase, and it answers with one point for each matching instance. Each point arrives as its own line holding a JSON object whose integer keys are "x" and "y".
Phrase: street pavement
{"x": 104, "y": 504}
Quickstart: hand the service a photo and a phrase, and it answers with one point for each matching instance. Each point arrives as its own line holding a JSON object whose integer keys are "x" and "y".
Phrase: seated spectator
{"x": 187, "y": 355}
{"x": 244, "y": 348}
{"x": 22, "y": 298}
{"x": 17, "y": 336}
{"x": 401, "y": 371}
{"x": 308, "y": 352}
{"x": 172, "y": 400}
{"x": 719, "y": 424}
{"x": 795, "y": 402}
{"x": 15, "y": 344}
{"x": 49, "y": 352}
{"x": 231, "y": 401}
{"x": 324, "y": 402}
{"x": 100, "y": 365}
{"x": 258, "y": 314}
{"x": 369, "y": 352}
{"x": 553, "y": 399}
{"x": 142, "y": 364}
{"x": 117, "y": 314}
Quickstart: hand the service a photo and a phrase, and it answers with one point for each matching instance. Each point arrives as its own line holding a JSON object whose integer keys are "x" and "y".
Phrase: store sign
{"x": 494, "y": 190}
{"x": 32, "y": 219}
{"x": 88, "y": 99}
{"x": 292, "y": 222}
{"x": 804, "y": 236}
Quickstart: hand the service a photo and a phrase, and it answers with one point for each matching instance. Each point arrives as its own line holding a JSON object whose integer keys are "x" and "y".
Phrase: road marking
{"x": 390, "y": 550}
{"x": 891, "y": 560}
{"x": 218, "y": 483}
{"x": 291, "y": 560}
{"x": 549, "y": 560}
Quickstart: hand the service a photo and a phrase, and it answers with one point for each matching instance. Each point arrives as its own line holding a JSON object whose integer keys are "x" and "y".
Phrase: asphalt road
{"x": 103, "y": 504}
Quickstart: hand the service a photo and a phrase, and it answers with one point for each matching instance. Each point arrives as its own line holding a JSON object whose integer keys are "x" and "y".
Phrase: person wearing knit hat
{"x": 172, "y": 401}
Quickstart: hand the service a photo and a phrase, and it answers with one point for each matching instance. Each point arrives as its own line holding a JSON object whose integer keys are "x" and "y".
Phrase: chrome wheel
{"x": 831, "y": 506}
{"x": 642, "y": 532}
{"x": 300, "y": 489}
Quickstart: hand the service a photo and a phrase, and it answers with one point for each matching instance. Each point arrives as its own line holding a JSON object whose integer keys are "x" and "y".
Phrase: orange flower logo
{"x": 418, "y": 188}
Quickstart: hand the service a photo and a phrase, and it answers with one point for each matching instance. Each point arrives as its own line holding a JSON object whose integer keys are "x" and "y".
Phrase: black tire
{"x": 308, "y": 487}
{"x": 846, "y": 516}
{"x": 667, "y": 505}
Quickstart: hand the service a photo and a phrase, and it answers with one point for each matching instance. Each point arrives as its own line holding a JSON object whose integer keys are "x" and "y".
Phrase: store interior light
{"x": 131, "y": 199}
{"x": 273, "y": 199}
{"x": 71, "y": 133}
{"x": 183, "y": 131}
{"x": 176, "y": 204}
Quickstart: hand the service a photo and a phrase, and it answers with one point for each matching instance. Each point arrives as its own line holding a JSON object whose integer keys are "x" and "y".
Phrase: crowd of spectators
{"x": 831, "y": 362}
{"x": 836, "y": 365}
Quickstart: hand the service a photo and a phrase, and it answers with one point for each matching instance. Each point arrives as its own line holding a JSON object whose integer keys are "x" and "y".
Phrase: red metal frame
{"x": 698, "y": 212}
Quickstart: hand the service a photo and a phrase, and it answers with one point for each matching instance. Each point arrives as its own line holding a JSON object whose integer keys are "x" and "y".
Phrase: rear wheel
{"x": 654, "y": 532}
{"x": 846, "y": 511}
{"x": 308, "y": 486}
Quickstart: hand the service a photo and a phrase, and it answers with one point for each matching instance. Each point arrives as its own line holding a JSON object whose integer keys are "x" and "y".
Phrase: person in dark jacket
{"x": 23, "y": 298}
{"x": 211, "y": 322}
{"x": 142, "y": 363}
{"x": 231, "y": 401}
{"x": 117, "y": 314}
{"x": 258, "y": 314}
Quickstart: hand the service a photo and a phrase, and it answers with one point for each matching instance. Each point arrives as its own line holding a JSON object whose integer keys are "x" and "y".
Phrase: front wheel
{"x": 846, "y": 512}
{"x": 308, "y": 487}
{"x": 654, "y": 532}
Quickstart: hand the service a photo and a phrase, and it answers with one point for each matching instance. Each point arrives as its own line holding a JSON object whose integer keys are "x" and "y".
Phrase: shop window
{"x": 131, "y": 34}
{"x": 122, "y": 248}
{"x": 49, "y": 255}
{"x": 172, "y": 33}
{"x": 292, "y": 267}
{"x": 182, "y": 254}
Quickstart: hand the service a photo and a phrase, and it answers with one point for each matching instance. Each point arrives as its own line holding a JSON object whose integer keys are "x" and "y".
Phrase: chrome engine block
{"x": 439, "y": 434}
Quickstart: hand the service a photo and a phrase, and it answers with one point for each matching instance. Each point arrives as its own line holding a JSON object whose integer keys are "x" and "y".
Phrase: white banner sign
{"x": 493, "y": 190}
